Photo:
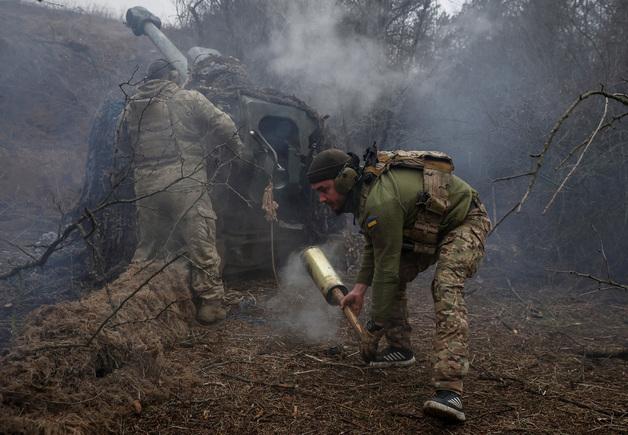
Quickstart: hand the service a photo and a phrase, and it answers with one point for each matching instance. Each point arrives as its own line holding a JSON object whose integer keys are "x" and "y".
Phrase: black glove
{"x": 370, "y": 341}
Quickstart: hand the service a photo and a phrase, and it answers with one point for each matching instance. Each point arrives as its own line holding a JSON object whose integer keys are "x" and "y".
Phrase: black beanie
{"x": 326, "y": 165}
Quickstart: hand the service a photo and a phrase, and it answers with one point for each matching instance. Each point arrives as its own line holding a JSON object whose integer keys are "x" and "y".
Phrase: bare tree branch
{"x": 512, "y": 177}
{"x": 584, "y": 142}
{"x": 540, "y": 157}
{"x": 573, "y": 169}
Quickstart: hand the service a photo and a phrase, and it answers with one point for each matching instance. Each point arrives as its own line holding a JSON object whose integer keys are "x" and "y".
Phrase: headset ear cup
{"x": 345, "y": 181}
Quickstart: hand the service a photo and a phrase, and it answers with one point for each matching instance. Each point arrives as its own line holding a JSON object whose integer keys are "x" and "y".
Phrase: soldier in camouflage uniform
{"x": 173, "y": 139}
{"x": 386, "y": 208}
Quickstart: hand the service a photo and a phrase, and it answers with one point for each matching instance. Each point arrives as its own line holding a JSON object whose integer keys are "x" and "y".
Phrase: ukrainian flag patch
{"x": 371, "y": 222}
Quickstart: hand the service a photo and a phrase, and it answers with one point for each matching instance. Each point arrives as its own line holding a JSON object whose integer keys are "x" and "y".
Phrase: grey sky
{"x": 165, "y": 9}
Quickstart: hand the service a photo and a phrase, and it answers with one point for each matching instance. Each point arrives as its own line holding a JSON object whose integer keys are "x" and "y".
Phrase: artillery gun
{"x": 280, "y": 133}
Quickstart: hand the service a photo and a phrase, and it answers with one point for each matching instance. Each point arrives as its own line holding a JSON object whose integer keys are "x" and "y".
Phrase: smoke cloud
{"x": 335, "y": 70}
{"x": 299, "y": 308}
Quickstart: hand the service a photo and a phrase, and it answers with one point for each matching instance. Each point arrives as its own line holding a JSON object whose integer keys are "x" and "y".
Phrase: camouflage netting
{"x": 52, "y": 382}
{"x": 222, "y": 79}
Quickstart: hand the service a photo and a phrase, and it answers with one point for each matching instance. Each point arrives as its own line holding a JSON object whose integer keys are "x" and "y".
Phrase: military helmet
{"x": 199, "y": 54}
{"x": 159, "y": 69}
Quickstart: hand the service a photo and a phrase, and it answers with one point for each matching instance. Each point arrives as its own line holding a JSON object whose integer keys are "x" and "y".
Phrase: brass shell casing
{"x": 323, "y": 274}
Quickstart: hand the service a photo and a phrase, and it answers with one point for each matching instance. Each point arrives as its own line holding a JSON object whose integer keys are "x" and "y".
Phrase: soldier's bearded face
{"x": 327, "y": 194}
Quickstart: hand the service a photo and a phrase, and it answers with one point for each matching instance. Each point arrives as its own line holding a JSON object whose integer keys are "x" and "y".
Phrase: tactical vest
{"x": 432, "y": 203}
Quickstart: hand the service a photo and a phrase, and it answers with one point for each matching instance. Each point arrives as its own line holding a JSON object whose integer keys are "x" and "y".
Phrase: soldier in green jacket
{"x": 177, "y": 142}
{"x": 411, "y": 218}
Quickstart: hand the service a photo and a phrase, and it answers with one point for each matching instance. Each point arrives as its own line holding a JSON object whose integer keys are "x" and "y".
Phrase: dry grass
{"x": 63, "y": 374}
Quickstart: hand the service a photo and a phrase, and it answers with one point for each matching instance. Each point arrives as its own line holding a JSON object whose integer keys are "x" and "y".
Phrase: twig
{"x": 512, "y": 177}
{"x": 602, "y": 252}
{"x": 512, "y": 289}
{"x": 609, "y": 282}
{"x": 75, "y": 403}
{"x": 584, "y": 142}
{"x": 252, "y": 381}
{"x": 361, "y": 369}
{"x": 621, "y": 354}
{"x": 503, "y": 218}
{"x": 494, "y": 200}
{"x": 54, "y": 246}
{"x": 16, "y": 246}
{"x": 573, "y": 169}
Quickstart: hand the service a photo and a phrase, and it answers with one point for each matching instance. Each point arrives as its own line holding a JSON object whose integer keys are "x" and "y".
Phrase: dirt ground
{"x": 550, "y": 361}
{"x": 546, "y": 360}
{"x": 534, "y": 369}
{"x": 554, "y": 364}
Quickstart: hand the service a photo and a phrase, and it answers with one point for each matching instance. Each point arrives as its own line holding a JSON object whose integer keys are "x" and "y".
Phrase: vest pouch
{"x": 436, "y": 205}
{"x": 432, "y": 203}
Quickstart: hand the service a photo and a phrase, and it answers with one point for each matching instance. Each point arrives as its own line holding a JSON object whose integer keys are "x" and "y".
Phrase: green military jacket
{"x": 383, "y": 210}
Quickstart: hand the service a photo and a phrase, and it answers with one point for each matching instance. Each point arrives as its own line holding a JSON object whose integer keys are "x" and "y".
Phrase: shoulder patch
{"x": 371, "y": 221}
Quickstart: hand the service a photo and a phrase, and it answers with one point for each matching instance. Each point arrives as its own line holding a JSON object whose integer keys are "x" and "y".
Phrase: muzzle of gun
{"x": 328, "y": 282}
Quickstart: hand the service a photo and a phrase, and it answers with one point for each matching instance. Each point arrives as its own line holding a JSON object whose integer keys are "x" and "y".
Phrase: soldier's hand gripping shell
{"x": 353, "y": 300}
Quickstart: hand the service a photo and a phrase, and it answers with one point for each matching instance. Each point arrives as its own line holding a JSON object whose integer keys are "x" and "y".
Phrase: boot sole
{"x": 444, "y": 412}
{"x": 382, "y": 364}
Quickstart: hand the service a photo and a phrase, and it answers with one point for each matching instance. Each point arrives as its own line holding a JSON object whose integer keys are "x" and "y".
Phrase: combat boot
{"x": 393, "y": 357}
{"x": 210, "y": 311}
{"x": 445, "y": 405}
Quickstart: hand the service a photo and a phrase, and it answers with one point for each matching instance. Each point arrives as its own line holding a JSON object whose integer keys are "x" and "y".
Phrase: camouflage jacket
{"x": 383, "y": 210}
{"x": 164, "y": 124}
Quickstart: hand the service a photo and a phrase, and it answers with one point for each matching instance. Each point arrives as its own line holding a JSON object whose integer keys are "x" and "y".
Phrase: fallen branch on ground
{"x": 609, "y": 281}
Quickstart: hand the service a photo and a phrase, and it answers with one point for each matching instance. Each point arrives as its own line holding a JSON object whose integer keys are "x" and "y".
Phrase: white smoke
{"x": 336, "y": 71}
{"x": 299, "y": 309}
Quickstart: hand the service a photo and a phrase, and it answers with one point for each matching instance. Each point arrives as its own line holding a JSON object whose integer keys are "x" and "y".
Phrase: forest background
{"x": 486, "y": 85}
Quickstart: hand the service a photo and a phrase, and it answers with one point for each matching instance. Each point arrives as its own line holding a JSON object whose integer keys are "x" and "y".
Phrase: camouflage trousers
{"x": 456, "y": 260}
{"x": 178, "y": 218}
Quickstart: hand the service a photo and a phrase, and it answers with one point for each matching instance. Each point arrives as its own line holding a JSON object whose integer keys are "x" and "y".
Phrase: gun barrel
{"x": 143, "y": 22}
{"x": 168, "y": 49}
